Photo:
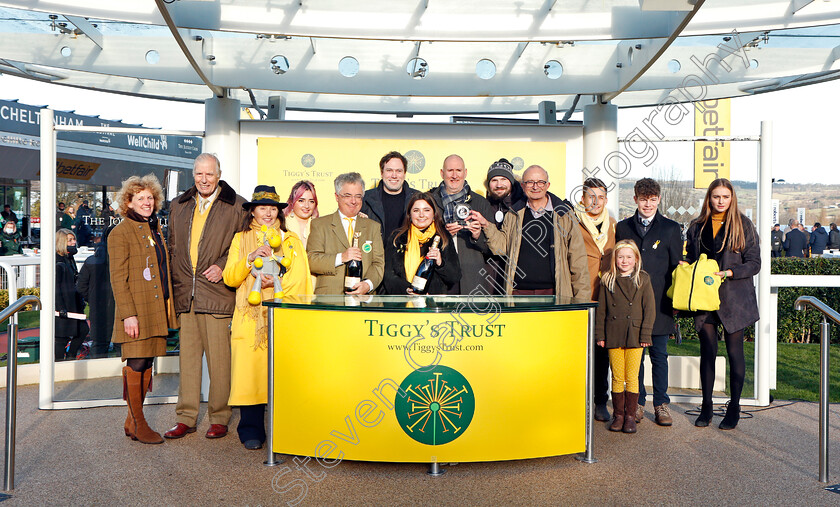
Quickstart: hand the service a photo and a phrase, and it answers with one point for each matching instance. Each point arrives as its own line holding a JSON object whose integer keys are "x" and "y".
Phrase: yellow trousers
{"x": 625, "y": 364}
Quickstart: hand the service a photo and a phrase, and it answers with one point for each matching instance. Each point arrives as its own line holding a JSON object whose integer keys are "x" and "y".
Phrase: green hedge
{"x": 4, "y": 296}
{"x": 804, "y": 327}
{"x": 794, "y": 326}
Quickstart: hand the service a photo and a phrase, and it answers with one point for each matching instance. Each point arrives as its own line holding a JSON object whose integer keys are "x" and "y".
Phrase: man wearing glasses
{"x": 330, "y": 246}
{"x": 457, "y": 200}
{"x": 543, "y": 243}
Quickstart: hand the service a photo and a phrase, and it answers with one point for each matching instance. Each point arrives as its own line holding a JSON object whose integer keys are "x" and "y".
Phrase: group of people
{"x": 798, "y": 242}
{"x": 79, "y": 220}
{"x": 212, "y": 274}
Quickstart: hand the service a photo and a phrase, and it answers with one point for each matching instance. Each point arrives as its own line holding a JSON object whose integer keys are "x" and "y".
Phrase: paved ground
{"x": 81, "y": 457}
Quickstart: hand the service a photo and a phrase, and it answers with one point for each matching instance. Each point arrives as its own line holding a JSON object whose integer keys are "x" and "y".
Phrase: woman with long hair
{"x": 413, "y": 242}
{"x": 68, "y": 330}
{"x": 723, "y": 233}
{"x": 301, "y": 208}
{"x": 138, "y": 261}
{"x": 263, "y": 228}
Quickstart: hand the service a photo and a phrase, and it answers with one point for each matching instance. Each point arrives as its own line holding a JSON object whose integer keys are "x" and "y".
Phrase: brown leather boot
{"x": 618, "y": 411}
{"x": 147, "y": 382}
{"x": 136, "y": 392}
{"x": 631, "y": 401}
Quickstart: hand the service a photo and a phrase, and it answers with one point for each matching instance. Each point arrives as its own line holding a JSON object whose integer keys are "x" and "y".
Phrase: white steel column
{"x": 48, "y": 176}
{"x": 221, "y": 137}
{"x": 600, "y": 152}
{"x": 765, "y": 341}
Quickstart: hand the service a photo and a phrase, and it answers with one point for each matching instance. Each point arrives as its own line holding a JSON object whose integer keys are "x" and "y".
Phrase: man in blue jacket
{"x": 819, "y": 240}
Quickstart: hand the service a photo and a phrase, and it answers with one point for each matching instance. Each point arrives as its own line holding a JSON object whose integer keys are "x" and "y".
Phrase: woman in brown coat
{"x": 141, "y": 284}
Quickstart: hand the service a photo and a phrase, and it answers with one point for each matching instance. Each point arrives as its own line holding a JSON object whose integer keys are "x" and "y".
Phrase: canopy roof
{"x": 424, "y": 56}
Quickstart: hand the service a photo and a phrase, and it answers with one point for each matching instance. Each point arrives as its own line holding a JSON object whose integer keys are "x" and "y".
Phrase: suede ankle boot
{"x": 705, "y": 415}
{"x": 631, "y": 402}
{"x": 618, "y": 411}
{"x": 135, "y": 389}
{"x": 733, "y": 415}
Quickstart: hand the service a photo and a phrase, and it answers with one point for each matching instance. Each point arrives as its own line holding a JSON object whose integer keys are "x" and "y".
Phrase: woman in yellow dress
{"x": 254, "y": 246}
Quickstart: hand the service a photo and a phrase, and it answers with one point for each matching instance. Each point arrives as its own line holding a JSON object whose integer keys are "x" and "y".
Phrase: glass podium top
{"x": 433, "y": 304}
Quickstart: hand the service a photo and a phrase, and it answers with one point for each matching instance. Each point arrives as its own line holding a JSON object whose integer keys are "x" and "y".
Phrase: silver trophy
{"x": 462, "y": 211}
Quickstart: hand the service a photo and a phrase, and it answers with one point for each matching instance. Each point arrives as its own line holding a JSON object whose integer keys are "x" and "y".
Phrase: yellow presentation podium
{"x": 429, "y": 379}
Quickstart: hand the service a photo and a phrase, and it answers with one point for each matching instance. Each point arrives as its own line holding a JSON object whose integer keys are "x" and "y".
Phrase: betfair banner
{"x": 424, "y": 387}
{"x": 711, "y": 158}
{"x": 284, "y": 161}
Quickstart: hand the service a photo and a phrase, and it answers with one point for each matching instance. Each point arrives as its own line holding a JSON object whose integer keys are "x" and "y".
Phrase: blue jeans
{"x": 659, "y": 365}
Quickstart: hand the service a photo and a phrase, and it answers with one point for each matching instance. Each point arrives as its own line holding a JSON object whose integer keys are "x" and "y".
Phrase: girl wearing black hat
{"x": 263, "y": 240}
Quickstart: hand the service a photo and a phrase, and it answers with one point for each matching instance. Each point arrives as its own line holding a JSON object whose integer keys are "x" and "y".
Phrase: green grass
{"x": 26, "y": 320}
{"x": 798, "y": 369}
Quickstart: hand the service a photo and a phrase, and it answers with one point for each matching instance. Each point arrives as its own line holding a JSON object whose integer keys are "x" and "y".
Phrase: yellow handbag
{"x": 695, "y": 286}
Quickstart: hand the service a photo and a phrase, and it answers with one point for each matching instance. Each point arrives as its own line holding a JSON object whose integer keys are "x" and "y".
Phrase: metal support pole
{"x": 590, "y": 382}
{"x": 435, "y": 470}
{"x": 46, "y": 385}
{"x": 825, "y": 336}
{"x": 270, "y": 460}
{"x": 764, "y": 342}
{"x": 11, "y": 404}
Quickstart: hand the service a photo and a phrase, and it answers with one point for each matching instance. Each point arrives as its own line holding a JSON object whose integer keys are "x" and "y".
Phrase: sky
{"x": 804, "y": 125}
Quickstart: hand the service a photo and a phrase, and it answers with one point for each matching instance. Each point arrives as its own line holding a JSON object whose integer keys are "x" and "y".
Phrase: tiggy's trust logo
{"x": 439, "y": 406}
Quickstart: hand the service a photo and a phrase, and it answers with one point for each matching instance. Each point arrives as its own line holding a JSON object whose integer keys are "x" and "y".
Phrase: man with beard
{"x": 503, "y": 192}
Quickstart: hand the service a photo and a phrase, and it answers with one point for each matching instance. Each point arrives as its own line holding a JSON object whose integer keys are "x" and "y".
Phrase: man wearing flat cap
{"x": 202, "y": 223}
{"x": 331, "y": 242}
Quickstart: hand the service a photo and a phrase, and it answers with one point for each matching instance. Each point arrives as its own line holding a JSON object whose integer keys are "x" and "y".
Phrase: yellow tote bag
{"x": 695, "y": 286}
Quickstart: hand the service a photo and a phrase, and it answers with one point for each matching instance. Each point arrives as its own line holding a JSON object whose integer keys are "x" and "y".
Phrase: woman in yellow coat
{"x": 264, "y": 227}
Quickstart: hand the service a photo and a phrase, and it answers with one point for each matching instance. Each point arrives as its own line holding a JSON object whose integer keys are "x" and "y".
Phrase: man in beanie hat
{"x": 503, "y": 192}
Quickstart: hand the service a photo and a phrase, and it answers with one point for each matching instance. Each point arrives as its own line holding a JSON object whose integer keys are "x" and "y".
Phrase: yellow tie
{"x": 349, "y": 230}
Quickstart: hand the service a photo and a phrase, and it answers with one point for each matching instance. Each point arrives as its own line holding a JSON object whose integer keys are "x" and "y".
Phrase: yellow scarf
{"x": 251, "y": 240}
{"x": 591, "y": 224}
{"x": 416, "y": 238}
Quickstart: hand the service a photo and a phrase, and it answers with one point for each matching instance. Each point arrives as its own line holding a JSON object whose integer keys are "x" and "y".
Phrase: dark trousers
{"x": 602, "y": 376}
{"x": 659, "y": 367}
{"x": 61, "y": 344}
{"x": 774, "y": 253}
{"x": 251, "y": 423}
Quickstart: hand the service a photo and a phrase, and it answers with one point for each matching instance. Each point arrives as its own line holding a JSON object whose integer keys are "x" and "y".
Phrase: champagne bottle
{"x": 424, "y": 271}
{"x": 353, "y": 271}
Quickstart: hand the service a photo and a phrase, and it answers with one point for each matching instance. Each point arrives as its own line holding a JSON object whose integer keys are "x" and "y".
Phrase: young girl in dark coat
{"x": 623, "y": 324}
{"x": 724, "y": 234}
{"x": 412, "y": 242}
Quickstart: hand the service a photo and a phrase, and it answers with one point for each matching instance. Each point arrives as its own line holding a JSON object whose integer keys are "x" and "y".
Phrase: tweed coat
{"x": 327, "y": 238}
{"x": 625, "y": 318}
{"x": 130, "y": 252}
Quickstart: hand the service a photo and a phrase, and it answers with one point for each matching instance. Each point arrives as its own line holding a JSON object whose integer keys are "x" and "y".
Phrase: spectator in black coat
{"x": 94, "y": 284}
{"x": 8, "y": 214}
{"x": 776, "y": 241}
{"x": 834, "y": 238}
{"x": 67, "y": 298}
{"x": 818, "y": 241}
{"x": 422, "y": 223}
{"x": 795, "y": 241}
{"x": 84, "y": 217}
